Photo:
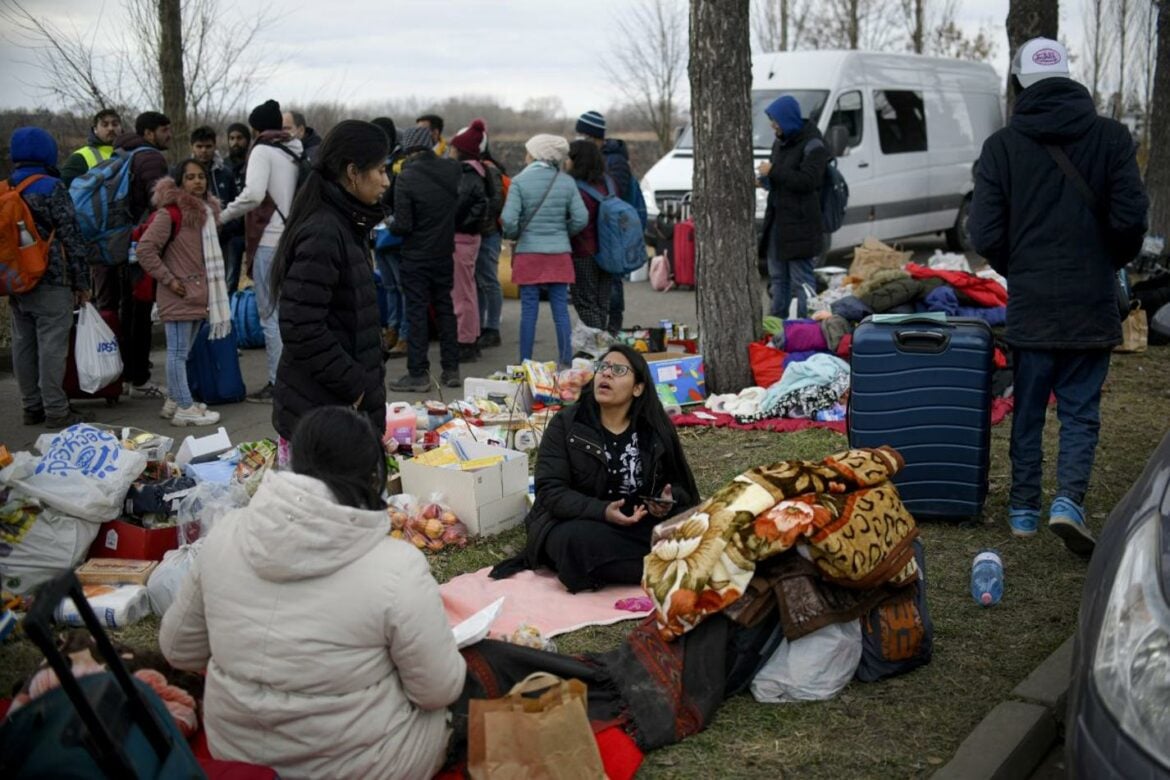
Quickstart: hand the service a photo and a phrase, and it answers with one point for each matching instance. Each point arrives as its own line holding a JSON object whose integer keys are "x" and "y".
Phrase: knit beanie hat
{"x": 592, "y": 124}
{"x": 416, "y": 138}
{"x": 548, "y": 148}
{"x": 472, "y": 139}
{"x": 266, "y": 116}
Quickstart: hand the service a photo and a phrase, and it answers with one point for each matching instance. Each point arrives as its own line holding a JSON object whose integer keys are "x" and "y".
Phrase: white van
{"x": 912, "y": 129}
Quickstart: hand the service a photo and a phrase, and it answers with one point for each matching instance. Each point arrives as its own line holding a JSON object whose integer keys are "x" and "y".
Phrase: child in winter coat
{"x": 180, "y": 249}
{"x": 542, "y": 211}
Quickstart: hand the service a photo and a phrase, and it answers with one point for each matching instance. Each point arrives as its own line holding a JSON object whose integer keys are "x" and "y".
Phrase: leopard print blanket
{"x": 844, "y": 509}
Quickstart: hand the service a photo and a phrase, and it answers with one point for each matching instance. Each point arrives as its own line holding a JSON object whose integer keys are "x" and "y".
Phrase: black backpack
{"x": 834, "y": 192}
{"x": 304, "y": 168}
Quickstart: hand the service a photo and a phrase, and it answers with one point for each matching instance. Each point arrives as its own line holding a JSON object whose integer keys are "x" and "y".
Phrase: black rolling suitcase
{"x": 923, "y": 386}
{"x": 101, "y": 725}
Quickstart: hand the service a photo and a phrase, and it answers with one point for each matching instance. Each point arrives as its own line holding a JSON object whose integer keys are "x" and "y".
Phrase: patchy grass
{"x": 910, "y": 725}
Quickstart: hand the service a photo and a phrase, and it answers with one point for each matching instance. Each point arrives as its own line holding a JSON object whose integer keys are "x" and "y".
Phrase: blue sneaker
{"x": 1024, "y": 522}
{"x": 1067, "y": 520}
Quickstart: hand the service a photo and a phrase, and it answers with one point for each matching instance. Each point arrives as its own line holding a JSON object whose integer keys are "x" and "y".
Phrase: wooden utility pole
{"x": 728, "y": 295}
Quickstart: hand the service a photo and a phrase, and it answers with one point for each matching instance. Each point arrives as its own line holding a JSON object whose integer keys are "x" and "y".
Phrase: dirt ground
{"x": 908, "y": 726}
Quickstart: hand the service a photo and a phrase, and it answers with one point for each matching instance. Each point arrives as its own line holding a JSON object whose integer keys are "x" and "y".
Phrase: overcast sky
{"x": 366, "y": 51}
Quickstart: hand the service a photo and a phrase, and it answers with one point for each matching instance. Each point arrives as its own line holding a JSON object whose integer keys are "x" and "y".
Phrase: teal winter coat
{"x": 563, "y": 213}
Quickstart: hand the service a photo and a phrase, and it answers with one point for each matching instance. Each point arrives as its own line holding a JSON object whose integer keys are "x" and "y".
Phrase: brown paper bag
{"x": 873, "y": 256}
{"x": 1135, "y": 331}
{"x": 520, "y": 737}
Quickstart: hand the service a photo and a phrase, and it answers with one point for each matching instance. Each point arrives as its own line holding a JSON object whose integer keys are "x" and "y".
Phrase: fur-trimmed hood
{"x": 167, "y": 193}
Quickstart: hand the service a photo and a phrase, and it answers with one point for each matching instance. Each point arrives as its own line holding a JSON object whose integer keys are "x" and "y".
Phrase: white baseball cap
{"x": 1038, "y": 59}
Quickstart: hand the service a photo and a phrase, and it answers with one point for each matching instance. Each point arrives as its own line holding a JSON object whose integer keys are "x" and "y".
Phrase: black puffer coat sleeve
{"x": 556, "y": 485}
{"x": 305, "y": 302}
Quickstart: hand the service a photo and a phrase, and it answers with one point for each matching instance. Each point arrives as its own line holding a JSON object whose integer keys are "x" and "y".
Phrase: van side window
{"x": 848, "y": 114}
{"x": 901, "y": 121}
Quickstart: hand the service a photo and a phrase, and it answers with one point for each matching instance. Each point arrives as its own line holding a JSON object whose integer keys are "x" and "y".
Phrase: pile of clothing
{"x": 916, "y": 288}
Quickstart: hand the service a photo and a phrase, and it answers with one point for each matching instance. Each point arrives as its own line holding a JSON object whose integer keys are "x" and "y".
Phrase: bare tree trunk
{"x": 727, "y": 288}
{"x": 170, "y": 65}
{"x": 854, "y": 23}
{"x": 919, "y": 26}
{"x": 1158, "y": 168}
{"x": 1098, "y": 45}
{"x": 783, "y": 25}
{"x": 1123, "y": 22}
{"x": 1029, "y": 19}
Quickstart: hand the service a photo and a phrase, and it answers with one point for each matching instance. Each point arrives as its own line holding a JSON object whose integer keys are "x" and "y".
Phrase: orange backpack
{"x": 24, "y": 255}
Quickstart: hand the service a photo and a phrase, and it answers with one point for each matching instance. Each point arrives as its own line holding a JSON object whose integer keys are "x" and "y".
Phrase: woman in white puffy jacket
{"x": 327, "y": 650}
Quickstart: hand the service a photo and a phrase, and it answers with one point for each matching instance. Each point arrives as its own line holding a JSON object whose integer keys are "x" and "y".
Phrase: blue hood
{"x": 785, "y": 111}
{"x": 33, "y": 145}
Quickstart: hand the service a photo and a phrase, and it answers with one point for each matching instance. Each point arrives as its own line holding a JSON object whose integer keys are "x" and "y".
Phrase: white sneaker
{"x": 195, "y": 417}
{"x": 148, "y": 390}
{"x": 171, "y": 406}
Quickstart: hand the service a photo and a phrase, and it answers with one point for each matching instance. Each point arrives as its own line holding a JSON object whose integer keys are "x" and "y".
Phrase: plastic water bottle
{"x": 987, "y": 578}
{"x": 26, "y": 237}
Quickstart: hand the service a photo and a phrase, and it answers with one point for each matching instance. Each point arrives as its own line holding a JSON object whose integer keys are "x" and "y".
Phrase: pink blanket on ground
{"x": 537, "y": 598}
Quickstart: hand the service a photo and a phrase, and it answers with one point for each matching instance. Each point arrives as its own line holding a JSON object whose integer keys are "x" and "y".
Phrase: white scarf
{"x": 219, "y": 310}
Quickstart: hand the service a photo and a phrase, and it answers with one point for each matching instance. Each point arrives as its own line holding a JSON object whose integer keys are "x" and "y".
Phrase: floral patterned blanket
{"x": 844, "y": 509}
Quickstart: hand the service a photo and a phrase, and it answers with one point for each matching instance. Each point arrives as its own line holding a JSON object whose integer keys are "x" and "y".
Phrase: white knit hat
{"x": 1039, "y": 59}
{"x": 548, "y": 148}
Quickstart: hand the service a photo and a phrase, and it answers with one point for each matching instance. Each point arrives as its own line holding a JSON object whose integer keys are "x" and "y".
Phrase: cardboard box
{"x": 115, "y": 571}
{"x": 486, "y": 499}
{"x": 119, "y": 539}
{"x": 683, "y": 374}
{"x": 204, "y": 448}
{"x": 519, "y": 395}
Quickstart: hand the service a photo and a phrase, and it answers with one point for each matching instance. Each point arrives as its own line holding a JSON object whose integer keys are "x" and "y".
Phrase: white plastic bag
{"x": 815, "y": 667}
{"x": 96, "y": 350}
{"x": 163, "y": 586}
{"x": 204, "y": 505}
{"x": 593, "y": 342}
{"x": 50, "y": 546}
{"x": 949, "y": 261}
{"x": 83, "y": 472}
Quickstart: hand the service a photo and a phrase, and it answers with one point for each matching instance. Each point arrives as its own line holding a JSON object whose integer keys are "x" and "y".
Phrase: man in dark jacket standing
{"x": 1058, "y": 236}
{"x": 425, "y": 194}
{"x": 793, "y": 233}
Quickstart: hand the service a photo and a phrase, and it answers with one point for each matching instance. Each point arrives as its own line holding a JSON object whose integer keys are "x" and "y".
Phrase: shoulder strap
{"x": 20, "y": 188}
{"x": 524, "y": 225}
{"x": 1070, "y": 170}
{"x": 592, "y": 191}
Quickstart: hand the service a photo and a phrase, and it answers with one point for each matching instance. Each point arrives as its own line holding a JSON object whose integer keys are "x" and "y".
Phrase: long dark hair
{"x": 352, "y": 141}
{"x": 181, "y": 170}
{"x": 645, "y": 409}
{"x": 588, "y": 164}
{"x": 340, "y": 447}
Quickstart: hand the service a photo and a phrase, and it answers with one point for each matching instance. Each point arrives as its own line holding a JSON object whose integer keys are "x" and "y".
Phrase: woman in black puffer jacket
{"x": 323, "y": 278}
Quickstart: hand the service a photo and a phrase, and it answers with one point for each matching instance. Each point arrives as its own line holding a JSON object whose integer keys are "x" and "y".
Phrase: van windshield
{"x": 812, "y": 102}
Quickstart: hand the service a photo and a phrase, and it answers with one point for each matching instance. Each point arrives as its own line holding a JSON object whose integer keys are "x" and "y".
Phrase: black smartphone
{"x": 659, "y": 501}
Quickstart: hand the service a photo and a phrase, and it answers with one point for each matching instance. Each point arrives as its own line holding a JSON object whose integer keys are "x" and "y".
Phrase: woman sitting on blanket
{"x": 327, "y": 650}
{"x": 609, "y": 469}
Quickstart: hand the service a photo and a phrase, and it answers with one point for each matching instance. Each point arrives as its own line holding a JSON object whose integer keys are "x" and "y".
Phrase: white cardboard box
{"x": 487, "y": 500}
{"x": 518, "y": 393}
{"x": 204, "y": 448}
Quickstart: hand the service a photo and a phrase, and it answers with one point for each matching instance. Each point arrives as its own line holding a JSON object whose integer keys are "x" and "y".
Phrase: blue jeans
{"x": 180, "y": 339}
{"x": 558, "y": 301}
{"x": 269, "y": 318}
{"x": 1075, "y": 377}
{"x": 788, "y": 277}
{"x": 388, "y": 268}
{"x": 487, "y": 281}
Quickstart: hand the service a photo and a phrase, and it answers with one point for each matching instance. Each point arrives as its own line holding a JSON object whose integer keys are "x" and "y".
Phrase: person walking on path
{"x": 425, "y": 194}
{"x": 1058, "y": 208}
{"x": 265, "y": 202}
{"x": 42, "y": 317}
{"x": 180, "y": 248}
{"x": 542, "y": 211}
{"x": 470, "y": 215}
{"x": 593, "y": 286}
{"x": 793, "y": 233}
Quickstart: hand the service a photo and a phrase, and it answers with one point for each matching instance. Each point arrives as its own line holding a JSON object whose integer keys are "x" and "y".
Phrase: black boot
{"x": 488, "y": 337}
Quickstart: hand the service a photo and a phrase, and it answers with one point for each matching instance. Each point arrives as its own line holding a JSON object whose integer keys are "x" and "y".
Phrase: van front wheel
{"x": 959, "y": 237}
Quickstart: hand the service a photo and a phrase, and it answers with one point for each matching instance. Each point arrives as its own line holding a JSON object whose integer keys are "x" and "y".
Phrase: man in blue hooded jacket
{"x": 793, "y": 234}
{"x": 1059, "y": 237}
{"x": 43, "y": 316}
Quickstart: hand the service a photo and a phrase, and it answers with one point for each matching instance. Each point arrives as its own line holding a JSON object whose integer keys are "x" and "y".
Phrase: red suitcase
{"x": 682, "y": 254}
{"x": 111, "y": 392}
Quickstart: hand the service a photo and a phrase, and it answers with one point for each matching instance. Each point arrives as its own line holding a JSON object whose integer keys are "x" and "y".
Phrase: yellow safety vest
{"x": 95, "y": 154}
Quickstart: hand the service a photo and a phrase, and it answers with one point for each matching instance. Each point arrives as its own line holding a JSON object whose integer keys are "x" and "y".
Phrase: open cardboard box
{"x": 488, "y": 500}
{"x": 682, "y": 373}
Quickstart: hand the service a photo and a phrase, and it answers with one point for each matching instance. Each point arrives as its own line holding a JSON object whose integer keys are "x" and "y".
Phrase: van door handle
{"x": 863, "y": 165}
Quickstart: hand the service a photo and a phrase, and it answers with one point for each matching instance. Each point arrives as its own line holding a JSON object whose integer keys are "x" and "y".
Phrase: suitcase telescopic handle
{"x": 922, "y": 340}
{"x": 37, "y": 626}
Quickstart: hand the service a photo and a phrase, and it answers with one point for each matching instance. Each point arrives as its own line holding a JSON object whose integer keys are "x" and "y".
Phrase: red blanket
{"x": 983, "y": 292}
{"x": 778, "y": 424}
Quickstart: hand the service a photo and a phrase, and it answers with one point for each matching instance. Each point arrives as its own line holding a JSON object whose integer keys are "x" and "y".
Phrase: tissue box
{"x": 203, "y": 448}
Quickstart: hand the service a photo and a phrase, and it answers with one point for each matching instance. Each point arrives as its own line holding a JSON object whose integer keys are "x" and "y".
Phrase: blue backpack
{"x": 213, "y": 369}
{"x": 834, "y": 193}
{"x": 621, "y": 247}
{"x": 246, "y": 320}
{"x": 101, "y": 199}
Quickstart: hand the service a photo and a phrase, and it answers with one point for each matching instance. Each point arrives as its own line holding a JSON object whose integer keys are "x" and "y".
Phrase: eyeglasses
{"x": 616, "y": 369}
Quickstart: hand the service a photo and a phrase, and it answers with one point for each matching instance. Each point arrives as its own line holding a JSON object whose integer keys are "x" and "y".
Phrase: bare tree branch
{"x": 779, "y": 25}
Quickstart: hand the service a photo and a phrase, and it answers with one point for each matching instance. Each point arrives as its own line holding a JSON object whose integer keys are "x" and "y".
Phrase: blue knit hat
{"x": 592, "y": 124}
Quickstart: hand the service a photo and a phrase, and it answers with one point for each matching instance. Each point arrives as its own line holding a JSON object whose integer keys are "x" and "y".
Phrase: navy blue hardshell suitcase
{"x": 923, "y": 387}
